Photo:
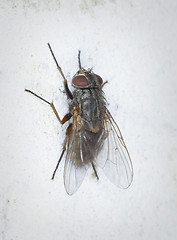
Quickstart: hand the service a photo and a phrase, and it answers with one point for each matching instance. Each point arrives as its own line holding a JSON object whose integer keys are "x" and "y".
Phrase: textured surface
{"x": 132, "y": 44}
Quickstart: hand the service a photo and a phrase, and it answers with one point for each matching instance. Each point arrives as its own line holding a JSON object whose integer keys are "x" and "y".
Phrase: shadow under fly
{"x": 91, "y": 128}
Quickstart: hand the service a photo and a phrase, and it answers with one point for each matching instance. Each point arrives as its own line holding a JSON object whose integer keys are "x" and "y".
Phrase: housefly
{"x": 91, "y": 128}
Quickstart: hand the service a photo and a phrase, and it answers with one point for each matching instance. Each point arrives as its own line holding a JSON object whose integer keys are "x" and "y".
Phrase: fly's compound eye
{"x": 80, "y": 81}
{"x": 100, "y": 80}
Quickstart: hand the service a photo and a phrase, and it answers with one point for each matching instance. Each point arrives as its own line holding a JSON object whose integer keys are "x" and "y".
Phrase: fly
{"x": 91, "y": 128}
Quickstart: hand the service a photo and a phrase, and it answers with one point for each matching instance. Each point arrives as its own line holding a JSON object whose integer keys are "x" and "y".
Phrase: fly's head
{"x": 86, "y": 78}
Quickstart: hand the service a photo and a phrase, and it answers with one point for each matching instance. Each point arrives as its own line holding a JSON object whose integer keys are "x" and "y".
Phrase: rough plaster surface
{"x": 132, "y": 44}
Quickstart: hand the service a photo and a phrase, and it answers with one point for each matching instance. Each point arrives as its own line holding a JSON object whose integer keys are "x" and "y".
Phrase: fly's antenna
{"x": 79, "y": 60}
{"x": 59, "y": 68}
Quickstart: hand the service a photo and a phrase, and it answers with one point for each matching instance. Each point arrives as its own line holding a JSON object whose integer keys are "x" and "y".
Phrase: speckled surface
{"x": 132, "y": 44}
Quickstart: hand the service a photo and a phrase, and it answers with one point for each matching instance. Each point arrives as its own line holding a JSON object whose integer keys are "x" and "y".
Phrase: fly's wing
{"x": 76, "y": 163}
{"x": 118, "y": 166}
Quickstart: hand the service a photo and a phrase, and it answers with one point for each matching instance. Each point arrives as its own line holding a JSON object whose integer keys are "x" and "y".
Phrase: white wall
{"x": 133, "y": 45}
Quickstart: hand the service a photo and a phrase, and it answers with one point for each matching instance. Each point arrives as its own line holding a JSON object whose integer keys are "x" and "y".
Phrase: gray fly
{"x": 91, "y": 128}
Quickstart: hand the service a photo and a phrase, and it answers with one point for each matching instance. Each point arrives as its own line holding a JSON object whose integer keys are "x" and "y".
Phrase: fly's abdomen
{"x": 85, "y": 146}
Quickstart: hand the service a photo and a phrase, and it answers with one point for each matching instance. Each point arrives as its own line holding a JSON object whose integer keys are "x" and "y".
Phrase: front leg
{"x": 68, "y": 92}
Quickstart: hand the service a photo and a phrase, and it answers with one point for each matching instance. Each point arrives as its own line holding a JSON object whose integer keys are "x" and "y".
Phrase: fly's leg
{"x": 64, "y": 149}
{"x": 65, "y": 118}
{"x": 79, "y": 60}
{"x": 68, "y": 92}
{"x": 94, "y": 169}
{"x": 104, "y": 84}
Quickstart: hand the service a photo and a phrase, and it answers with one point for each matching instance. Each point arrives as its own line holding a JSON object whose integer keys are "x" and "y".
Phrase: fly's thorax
{"x": 91, "y": 107}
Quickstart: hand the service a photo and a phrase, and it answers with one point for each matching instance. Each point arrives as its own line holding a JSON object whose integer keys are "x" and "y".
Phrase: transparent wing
{"x": 118, "y": 166}
{"x": 76, "y": 163}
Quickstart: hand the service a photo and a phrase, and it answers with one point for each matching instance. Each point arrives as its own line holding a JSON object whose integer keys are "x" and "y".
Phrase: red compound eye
{"x": 100, "y": 80}
{"x": 80, "y": 81}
